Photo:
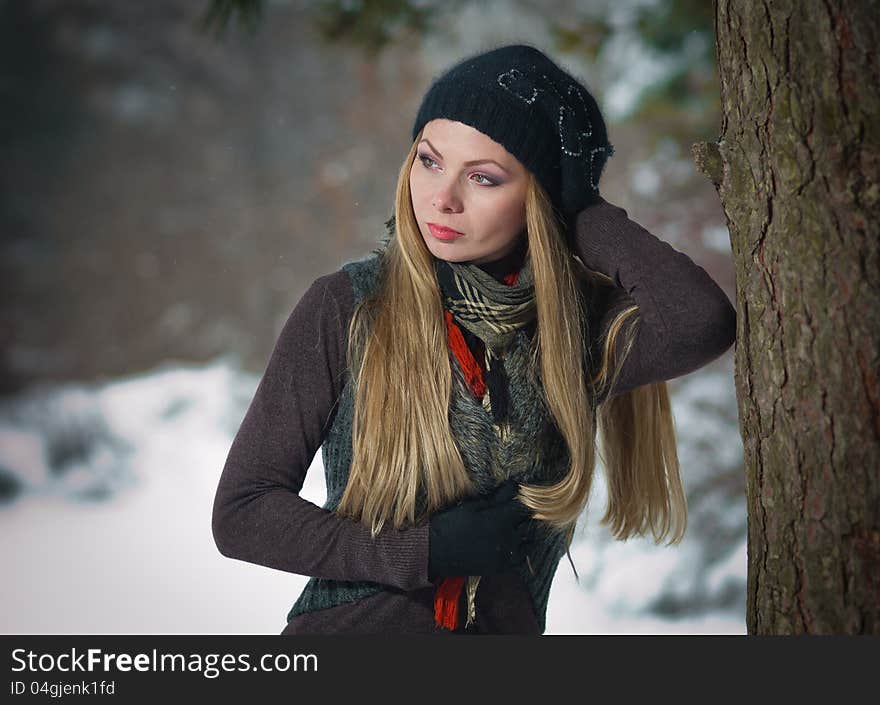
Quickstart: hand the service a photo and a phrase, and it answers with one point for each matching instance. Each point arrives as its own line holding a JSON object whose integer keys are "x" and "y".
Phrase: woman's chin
{"x": 447, "y": 252}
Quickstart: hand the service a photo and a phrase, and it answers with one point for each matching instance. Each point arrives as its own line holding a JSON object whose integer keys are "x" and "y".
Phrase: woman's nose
{"x": 446, "y": 200}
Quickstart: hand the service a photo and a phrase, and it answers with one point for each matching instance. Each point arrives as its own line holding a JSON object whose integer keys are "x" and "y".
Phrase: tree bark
{"x": 796, "y": 168}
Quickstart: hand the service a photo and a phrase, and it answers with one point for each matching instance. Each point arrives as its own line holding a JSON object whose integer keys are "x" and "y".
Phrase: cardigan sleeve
{"x": 258, "y": 515}
{"x": 685, "y": 319}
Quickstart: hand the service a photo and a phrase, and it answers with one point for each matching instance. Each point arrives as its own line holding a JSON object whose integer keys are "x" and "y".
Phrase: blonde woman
{"x": 459, "y": 378}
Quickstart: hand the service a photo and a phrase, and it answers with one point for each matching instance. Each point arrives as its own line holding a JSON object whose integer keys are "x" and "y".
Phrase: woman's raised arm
{"x": 686, "y": 318}
{"x": 258, "y": 515}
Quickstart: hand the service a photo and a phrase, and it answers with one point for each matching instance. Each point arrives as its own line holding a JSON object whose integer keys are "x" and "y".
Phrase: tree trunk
{"x": 796, "y": 167}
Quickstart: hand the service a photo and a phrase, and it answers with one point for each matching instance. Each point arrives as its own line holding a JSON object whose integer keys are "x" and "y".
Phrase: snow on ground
{"x": 106, "y": 523}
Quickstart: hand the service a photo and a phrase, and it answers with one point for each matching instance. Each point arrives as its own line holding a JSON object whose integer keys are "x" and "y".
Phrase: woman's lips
{"x": 443, "y": 233}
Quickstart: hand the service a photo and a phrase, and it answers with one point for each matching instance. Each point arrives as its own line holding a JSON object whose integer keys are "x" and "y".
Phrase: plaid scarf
{"x": 483, "y": 315}
{"x": 489, "y": 313}
{"x": 491, "y": 310}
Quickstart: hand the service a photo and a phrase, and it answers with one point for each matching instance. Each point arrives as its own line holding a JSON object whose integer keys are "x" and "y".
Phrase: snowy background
{"x": 166, "y": 200}
{"x": 107, "y": 523}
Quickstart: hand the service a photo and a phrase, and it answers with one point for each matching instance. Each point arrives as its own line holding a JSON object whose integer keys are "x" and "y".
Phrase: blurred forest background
{"x": 169, "y": 191}
{"x": 174, "y": 177}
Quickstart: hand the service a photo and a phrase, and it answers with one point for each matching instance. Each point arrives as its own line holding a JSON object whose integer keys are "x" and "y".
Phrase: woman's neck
{"x": 511, "y": 262}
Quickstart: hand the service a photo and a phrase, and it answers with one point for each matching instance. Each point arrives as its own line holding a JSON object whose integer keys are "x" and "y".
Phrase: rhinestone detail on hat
{"x": 506, "y": 78}
{"x": 518, "y": 84}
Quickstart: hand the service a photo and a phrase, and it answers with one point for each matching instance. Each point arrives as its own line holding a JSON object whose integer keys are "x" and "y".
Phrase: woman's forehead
{"x": 465, "y": 140}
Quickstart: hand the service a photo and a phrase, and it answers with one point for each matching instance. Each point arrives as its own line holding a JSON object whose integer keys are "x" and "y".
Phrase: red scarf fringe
{"x": 446, "y": 601}
{"x": 473, "y": 373}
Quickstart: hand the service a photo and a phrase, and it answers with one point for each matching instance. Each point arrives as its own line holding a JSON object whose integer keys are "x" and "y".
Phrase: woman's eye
{"x": 424, "y": 159}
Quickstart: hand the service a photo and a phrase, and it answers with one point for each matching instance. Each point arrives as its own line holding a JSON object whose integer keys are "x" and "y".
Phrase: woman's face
{"x": 463, "y": 180}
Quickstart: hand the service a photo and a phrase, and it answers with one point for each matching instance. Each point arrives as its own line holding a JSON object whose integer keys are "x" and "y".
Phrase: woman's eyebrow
{"x": 473, "y": 163}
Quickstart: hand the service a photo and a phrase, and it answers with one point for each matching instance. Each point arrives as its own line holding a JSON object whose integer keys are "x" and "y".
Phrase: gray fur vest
{"x": 528, "y": 448}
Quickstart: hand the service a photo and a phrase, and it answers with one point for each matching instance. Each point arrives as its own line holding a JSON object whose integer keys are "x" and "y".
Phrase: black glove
{"x": 480, "y": 536}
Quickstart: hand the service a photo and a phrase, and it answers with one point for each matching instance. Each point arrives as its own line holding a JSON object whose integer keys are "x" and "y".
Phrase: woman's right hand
{"x": 480, "y": 536}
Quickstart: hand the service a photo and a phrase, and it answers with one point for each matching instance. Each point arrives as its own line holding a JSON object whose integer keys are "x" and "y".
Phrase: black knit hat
{"x": 538, "y": 112}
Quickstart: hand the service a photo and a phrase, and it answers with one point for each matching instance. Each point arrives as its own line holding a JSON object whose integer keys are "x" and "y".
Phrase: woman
{"x": 457, "y": 379}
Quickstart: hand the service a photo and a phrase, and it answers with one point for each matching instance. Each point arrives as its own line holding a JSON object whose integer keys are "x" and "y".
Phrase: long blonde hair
{"x": 401, "y": 437}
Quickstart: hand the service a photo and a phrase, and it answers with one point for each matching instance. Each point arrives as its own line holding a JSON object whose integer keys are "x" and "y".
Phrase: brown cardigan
{"x": 258, "y": 516}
